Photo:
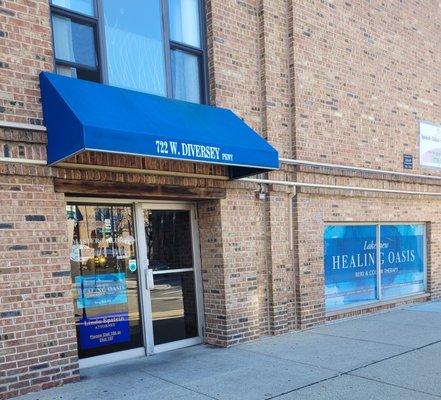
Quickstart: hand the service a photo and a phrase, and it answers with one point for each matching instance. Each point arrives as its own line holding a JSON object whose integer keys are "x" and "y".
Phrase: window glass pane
{"x": 66, "y": 71}
{"x": 88, "y": 74}
{"x": 168, "y": 235}
{"x": 81, "y": 73}
{"x": 74, "y": 42}
{"x": 402, "y": 260}
{"x": 184, "y": 22}
{"x": 174, "y": 307}
{"x": 81, "y": 6}
{"x": 104, "y": 278}
{"x": 169, "y": 247}
{"x": 350, "y": 265}
{"x": 134, "y": 45}
{"x": 185, "y": 76}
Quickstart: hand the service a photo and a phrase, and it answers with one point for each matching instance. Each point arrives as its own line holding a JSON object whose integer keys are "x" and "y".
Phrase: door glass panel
{"x": 168, "y": 236}
{"x": 134, "y": 45}
{"x": 173, "y": 307}
{"x": 105, "y": 278}
{"x": 170, "y": 253}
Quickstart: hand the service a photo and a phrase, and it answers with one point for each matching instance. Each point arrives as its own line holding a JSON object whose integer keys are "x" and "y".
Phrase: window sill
{"x": 376, "y": 304}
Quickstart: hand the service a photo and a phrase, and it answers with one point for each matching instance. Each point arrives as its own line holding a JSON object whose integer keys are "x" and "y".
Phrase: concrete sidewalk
{"x": 391, "y": 355}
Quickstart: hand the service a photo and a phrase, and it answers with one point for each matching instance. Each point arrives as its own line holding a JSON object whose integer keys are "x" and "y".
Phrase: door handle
{"x": 150, "y": 283}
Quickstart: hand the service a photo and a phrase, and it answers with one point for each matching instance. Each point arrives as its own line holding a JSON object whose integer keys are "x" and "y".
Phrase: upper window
{"x": 154, "y": 46}
{"x": 365, "y": 263}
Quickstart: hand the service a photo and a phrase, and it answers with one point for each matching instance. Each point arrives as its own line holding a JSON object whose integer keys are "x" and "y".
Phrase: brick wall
{"x": 364, "y": 73}
{"x": 234, "y": 268}
{"x": 37, "y": 337}
{"x": 315, "y": 208}
{"x": 329, "y": 81}
{"x": 25, "y": 50}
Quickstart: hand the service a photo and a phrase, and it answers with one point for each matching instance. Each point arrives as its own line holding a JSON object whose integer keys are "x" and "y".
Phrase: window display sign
{"x": 350, "y": 265}
{"x": 430, "y": 144}
{"x": 104, "y": 330}
{"x": 101, "y": 290}
{"x": 350, "y": 258}
{"x": 402, "y": 260}
{"x": 102, "y": 260}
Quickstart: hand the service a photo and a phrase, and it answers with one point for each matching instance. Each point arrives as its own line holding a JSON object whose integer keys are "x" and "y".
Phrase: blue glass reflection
{"x": 80, "y": 6}
{"x": 73, "y": 42}
{"x": 185, "y": 76}
{"x": 184, "y": 22}
{"x": 402, "y": 260}
{"x": 134, "y": 45}
{"x": 350, "y": 265}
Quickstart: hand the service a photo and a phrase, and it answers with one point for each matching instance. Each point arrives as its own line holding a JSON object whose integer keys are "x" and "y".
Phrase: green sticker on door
{"x": 132, "y": 265}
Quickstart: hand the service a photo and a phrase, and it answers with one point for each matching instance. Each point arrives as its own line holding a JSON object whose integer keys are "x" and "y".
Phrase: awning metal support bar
{"x": 140, "y": 171}
{"x": 251, "y": 180}
{"x": 290, "y": 161}
{"x": 339, "y": 187}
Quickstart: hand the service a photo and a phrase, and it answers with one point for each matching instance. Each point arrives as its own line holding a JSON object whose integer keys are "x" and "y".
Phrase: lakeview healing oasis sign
{"x": 351, "y": 267}
{"x": 101, "y": 290}
{"x": 430, "y": 144}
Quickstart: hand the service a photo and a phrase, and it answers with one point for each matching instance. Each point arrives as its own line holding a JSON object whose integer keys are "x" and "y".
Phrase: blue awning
{"x": 87, "y": 116}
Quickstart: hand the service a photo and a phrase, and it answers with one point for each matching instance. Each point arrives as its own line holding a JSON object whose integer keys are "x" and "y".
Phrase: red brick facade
{"x": 342, "y": 82}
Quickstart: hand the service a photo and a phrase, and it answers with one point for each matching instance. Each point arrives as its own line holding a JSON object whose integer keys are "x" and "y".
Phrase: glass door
{"x": 104, "y": 281}
{"x": 171, "y": 271}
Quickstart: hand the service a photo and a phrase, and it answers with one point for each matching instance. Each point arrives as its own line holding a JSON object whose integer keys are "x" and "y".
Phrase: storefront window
{"x": 354, "y": 276}
{"x": 104, "y": 278}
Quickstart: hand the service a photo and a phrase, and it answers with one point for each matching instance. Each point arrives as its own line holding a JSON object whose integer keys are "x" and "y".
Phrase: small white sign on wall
{"x": 430, "y": 144}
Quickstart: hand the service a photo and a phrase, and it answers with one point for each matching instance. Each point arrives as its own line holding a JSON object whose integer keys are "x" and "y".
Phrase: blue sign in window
{"x": 350, "y": 263}
{"x": 101, "y": 290}
{"x": 104, "y": 330}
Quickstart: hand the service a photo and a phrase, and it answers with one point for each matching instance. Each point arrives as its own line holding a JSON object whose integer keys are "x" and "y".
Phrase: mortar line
{"x": 291, "y": 361}
{"x": 349, "y": 373}
{"x": 422, "y": 311}
{"x": 394, "y": 356}
{"x": 392, "y": 384}
{"x": 180, "y": 385}
{"x": 303, "y": 387}
{"x": 365, "y": 340}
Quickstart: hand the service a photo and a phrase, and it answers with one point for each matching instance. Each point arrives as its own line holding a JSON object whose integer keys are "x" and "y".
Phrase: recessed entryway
{"x": 136, "y": 278}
